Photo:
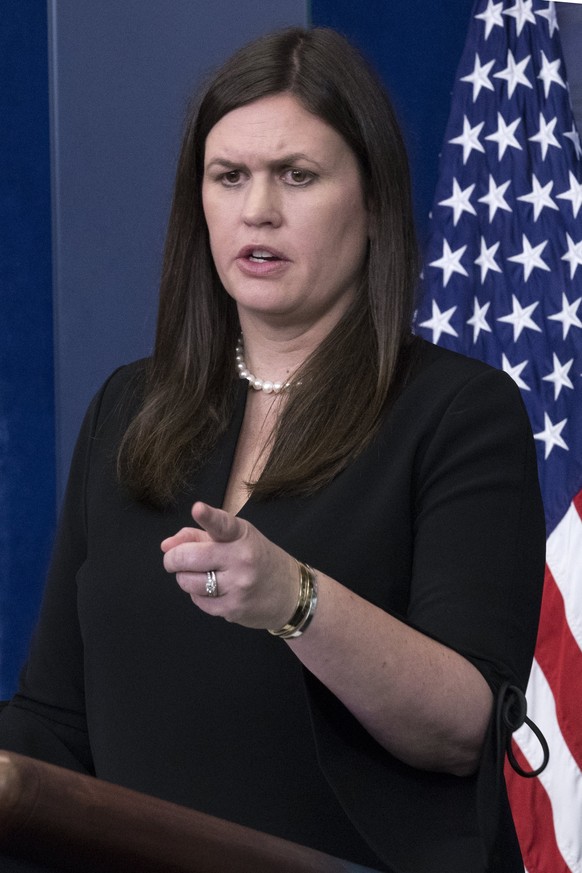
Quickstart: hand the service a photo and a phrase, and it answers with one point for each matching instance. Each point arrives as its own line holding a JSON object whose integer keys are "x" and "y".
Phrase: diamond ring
{"x": 211, "y": 584}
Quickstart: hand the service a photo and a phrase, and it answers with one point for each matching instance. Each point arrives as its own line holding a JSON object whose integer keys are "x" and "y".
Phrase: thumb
{"x": 220, "y": 525}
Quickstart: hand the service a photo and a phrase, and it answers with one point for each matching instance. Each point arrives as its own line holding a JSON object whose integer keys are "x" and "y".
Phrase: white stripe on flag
{"x": 562, "y": 778}
{"x": 563, "y": 551}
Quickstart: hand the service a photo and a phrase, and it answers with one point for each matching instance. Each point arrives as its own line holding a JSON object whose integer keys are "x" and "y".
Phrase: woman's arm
{"x": 46, "y": 719}
{"x": 475, "y": 588}
{"x": 420, "y": 700}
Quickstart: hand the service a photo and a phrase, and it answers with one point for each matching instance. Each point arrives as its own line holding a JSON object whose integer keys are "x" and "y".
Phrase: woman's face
{"x": 285, "y": 211}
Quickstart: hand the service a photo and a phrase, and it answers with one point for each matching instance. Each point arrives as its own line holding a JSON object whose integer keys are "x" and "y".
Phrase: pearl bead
{"x": 258, "y": 384}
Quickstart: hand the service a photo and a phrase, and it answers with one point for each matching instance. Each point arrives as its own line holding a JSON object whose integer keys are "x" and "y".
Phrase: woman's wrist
{"x": 306, "y": 605}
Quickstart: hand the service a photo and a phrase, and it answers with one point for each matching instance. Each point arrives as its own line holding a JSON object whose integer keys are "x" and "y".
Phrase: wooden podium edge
{"x": 75, "y": 822}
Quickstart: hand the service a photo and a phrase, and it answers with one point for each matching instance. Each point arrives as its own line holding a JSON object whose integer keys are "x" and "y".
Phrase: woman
{"x": 368, "y": 498}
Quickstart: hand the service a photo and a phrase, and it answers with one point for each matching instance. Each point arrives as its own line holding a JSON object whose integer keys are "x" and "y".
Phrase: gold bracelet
{"x": 306, "y": 603}
{"x": 312, "y": 603}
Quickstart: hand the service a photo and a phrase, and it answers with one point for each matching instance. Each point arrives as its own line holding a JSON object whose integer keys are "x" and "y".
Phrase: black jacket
{"x": 439, "y": 521}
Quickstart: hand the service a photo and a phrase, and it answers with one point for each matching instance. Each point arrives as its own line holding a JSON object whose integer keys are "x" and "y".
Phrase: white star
{"x": 486, "y": 259}
{"x": 495, "y": 199}
{"x": 522, "y": 14}
{"x": 549, "y": 73}
{"x": 515, "y": 372}
{"x": 568, "y": 315}
{"x": 479, "y": 78}
{"x": 504, "y": 135}
{"x": 530, "y": 257}
{"x": 491, "y": 17}
{"x": 520, "y": 318}
{"x": 478, "y": 321}
{"x": 459, "y": 201}
{"x": 573, "y": 255}
{"x": 514, "y": 73}
{"x": 550, "y": 14}
{"x": 550, "y": 435}
{"x": 545, "y": 135}
{"x": 439, "y": 323}
{"x": 469, "y": 139}
{"x": 539, "y": 197}
{"x": 575, "y": 137}
{"x": 559, "y": 376}
{"x": 573, "y": 193}
{"x": 450, "y": 262}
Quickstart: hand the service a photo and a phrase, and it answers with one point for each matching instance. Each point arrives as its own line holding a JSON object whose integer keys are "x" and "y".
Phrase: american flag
{"x": 503, "y": 282}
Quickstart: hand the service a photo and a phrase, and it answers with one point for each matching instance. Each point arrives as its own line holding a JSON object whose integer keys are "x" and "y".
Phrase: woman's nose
{"x": 262, "y": 204}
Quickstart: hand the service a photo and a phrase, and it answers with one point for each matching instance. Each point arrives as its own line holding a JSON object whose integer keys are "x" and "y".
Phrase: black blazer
{"x": 438, "y": 521}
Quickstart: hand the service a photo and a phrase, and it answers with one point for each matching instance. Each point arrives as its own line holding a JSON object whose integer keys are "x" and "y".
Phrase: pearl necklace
{"x": 258, "y": 384}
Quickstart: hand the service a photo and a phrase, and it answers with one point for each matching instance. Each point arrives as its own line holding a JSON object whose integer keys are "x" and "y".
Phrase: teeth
{"x": 261, "y": 255}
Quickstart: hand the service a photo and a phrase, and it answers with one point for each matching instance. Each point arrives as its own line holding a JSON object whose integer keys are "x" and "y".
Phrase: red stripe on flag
{"x": 578, "y": 503}
{"x": 560, "y": 658}
{"x": 534, "y": 823}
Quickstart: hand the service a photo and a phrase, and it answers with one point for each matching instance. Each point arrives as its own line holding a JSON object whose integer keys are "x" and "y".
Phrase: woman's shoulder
{"x": 120, "y": 395}
{"x": 130, "y": 377}
{"x": 442, "y": 371}
{"x": 434, "y": 361}
{"x": 441, "y": 382}
{"x": 132, "y": 374}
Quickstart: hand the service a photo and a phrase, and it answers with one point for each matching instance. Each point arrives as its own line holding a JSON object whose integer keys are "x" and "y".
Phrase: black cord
{"x": 511, "y": 714}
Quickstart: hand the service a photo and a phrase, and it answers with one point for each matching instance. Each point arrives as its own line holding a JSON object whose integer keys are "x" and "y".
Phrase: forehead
{"x": 275, "y": 125}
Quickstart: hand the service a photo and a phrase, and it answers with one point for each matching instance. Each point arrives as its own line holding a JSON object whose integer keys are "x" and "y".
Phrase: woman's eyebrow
{"x": 292, "y": 158}
{"x": 283, "y": 161}
{"x": 224, "y": 164}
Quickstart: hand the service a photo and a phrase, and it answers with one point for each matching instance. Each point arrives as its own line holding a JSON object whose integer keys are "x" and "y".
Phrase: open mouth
{"x": 257, "y": 254}
{"x": 261, "y": 256}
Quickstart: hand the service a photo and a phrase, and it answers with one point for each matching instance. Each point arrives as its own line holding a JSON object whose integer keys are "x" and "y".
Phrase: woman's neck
{"x": 275, "y": 354}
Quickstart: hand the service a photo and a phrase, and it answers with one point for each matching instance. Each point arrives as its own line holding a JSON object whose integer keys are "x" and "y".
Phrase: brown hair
{"x": 347, "y": 381}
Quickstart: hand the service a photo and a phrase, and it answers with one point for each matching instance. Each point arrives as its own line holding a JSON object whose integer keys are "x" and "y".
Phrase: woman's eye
{"x": 232, "y": 177}
{"x": 296, "y": 176}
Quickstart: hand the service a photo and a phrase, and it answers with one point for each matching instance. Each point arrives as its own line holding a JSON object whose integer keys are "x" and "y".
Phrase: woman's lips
{"x": 256, "y": 250}
{"x": 256, "y": 260}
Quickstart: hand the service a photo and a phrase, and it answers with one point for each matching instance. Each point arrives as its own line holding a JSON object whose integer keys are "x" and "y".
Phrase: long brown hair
{"x": 346, "y": 382}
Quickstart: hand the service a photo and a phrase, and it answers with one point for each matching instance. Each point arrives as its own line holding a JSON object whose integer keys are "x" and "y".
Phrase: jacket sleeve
{"x": 476, "y": 581}
{"x": 479, "y": 537}
{"x": 46, "y": 718}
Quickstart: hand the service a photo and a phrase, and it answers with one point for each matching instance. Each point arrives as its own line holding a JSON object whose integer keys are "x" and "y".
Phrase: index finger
{"x": 220, "y": 525}
{"x": 186, "y": 535}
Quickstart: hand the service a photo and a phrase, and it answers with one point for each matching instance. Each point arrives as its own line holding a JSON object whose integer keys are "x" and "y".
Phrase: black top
{"x": 438, "y": 521}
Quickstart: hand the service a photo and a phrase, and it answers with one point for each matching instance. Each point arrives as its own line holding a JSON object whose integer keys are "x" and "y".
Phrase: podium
{"x": 66, "y": 821}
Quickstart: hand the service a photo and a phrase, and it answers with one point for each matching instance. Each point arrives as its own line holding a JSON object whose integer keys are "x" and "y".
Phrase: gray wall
{"x": 570, "y": 21}
{"x": 121, "y": 72}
